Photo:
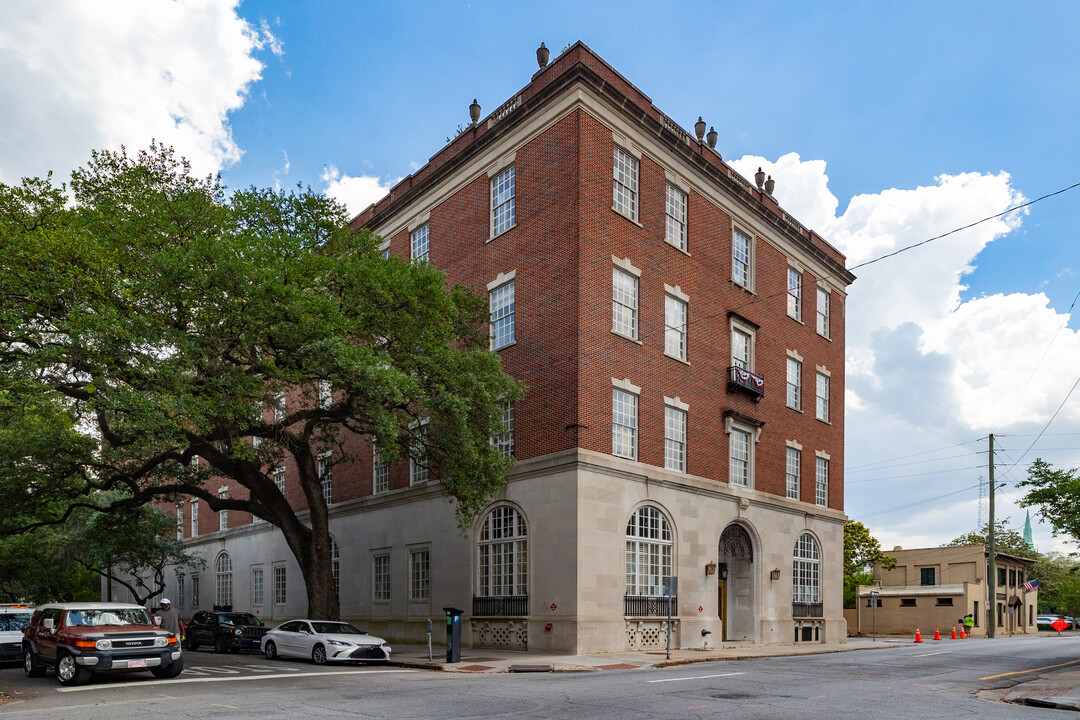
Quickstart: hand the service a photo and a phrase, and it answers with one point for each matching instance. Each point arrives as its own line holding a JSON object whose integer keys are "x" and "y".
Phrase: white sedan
{"x": 323, "y": 641}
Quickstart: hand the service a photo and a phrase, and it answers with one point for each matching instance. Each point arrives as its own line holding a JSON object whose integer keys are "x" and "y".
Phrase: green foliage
{"x": 40, "y": 566}
{"x": 1006, "y": 540}
{"x": 152, "y": 318}
{"x": 1054, "y": 493}
{"x": 862, "y": 552}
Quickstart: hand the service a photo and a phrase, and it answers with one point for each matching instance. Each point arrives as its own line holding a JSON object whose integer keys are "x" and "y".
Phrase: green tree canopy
{"x": 1006, "y": 540}
{"x": 149, "y": 318}
{"x": 1054, "y": 493}
{"x": 862, "y": 552}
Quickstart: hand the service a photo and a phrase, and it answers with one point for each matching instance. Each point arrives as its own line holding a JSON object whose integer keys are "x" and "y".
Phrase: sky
{"x": 884, "y": 124}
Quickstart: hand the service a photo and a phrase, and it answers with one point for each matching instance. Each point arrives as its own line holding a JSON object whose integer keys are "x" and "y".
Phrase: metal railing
{"x": 503, "y": 605}
{"x": 651, "y": 605}
{"x": 740, "y": 380}
{"x": 807, "y": 610}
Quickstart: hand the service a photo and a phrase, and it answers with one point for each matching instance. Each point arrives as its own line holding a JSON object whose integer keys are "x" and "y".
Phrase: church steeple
{"x": 1027, "y": 531}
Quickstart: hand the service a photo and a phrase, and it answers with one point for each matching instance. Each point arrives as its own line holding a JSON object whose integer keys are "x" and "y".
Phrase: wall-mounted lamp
{"x": 775, "y": 574}
{"x": 710, "y": 568}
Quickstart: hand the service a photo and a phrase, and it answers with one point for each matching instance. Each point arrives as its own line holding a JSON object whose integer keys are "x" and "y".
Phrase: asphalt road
{"x": 907, "y": 681}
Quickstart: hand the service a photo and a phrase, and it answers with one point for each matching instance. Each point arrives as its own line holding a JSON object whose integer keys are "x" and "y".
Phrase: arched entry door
{"x": 735, "y": 583}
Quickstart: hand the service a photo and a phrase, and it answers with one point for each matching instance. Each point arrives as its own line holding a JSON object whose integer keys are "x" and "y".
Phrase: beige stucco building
{"x": 937, "y": 587}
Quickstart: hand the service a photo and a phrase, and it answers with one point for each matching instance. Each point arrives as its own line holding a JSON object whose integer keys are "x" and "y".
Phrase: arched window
{"x": 503, "y": 545}
{"x": 335, "y": 567}
{"x": 806, "y": 570}
{"x": 648, "y": 552}
{"x": 224, "y": 580}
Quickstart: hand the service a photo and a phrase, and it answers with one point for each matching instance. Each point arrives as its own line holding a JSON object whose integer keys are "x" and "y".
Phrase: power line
{"x": 897, "y": 477}
{"x": 1052, "y": 418}
{"x": 905, "y": 457}
{"x": 913, "y": 504}
{"x": 965, "y": 227}
{"x": 917, "y": 462}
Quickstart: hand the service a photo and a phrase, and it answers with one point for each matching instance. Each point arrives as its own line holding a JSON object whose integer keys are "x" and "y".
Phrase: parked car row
{"x": 80, "y": 639}
{"x": 1051, "y": 619}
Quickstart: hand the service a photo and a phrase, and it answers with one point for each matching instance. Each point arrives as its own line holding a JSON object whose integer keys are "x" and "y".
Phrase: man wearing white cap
{"x": 169, "y": 617}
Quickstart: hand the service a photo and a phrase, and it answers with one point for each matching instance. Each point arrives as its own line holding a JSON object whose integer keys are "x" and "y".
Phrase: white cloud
{"x": 354, "y": 192}
{"x": 79, "y": 76}
{"x": 926, "y": 369}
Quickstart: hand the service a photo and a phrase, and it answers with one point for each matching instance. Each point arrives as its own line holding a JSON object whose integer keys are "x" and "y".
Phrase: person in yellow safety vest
{"x": 969, "y": 622}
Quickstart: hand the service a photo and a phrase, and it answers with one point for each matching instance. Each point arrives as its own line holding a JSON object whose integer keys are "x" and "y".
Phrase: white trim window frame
{"x": 180, "y": 520}
{"x": 743, "y": 345}
{"x": 380, "y": 472}
{"x": 742, "y": 258}
{"x": 502, "y": 202}
{"x": 806, "y": 570}
{"x": 824, "y": 301}
{"x": 325, "y": 394}
{"x": 380, "y": 577}
{"x": 624, "y": 303}
{"x": 504, "y": 441}
{"x": 419, "y": 473}
{"x": 501, "y": 320}
{"x": 194, "y": 517}
{"x": 419, "y": 575}
{"x": 742, "y": 451}
{"x": 223, "y": 515}
{"x": 625, "y": 187}
{"x": 821, "y": 480}
{"x": 821, "y": 410}
{"x": 325, "y": 470}
{"x": 280, "y": 407}
{"x": 502, "y": 554}
{"x": 279, "y": 478}
{"x": 257, "y": 586}
{"x": 675, "y": 216}
{"x": 420, "y": 244}
{"x": 675, "y": 312}
{"x": 794, "y": 383}
{"x": 794, "y": 293}
{"x": 223, "y": 580}
{"x": 648, "y": 552}
{"x": 281, "y": 586}
{"x": 624, "y": 422}
{"x": 675, "y": 435}
{"x": 793, "y": 471}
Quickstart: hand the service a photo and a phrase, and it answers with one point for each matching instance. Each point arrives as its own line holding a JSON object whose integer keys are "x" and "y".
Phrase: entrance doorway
{"x": 735, "y": 584}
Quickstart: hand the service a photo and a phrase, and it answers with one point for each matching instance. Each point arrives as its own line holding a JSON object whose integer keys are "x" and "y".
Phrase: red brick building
{"x": 682, "y": 341}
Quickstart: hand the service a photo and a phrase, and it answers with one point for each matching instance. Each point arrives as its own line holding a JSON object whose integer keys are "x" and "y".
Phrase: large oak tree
{"x": 150, "y": 317}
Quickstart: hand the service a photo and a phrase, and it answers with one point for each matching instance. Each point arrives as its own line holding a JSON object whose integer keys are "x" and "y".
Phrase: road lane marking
{"x": 697, "y": 677}
{"x": 230, "y": 678}
{"x": 943, "y": 652}
{"x": 1023, "y": 672}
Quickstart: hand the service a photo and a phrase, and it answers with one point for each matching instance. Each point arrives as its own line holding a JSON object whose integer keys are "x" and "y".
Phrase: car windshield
{"x": 111, "y": 616}
{"x": 335, "y": 628}
{"x": 14, "y": 621}
{"x": 240, "y": 619}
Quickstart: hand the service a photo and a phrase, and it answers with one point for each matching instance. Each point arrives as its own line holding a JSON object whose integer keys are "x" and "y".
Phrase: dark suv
{"x": 225, "y": 631}
{"x": 80, "y": 639}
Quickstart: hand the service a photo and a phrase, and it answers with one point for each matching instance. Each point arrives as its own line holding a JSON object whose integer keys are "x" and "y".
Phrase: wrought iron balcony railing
{"x": 651, "y": 605}
{"x": 807, "y": 610}
{"x": 740, "y": 380}
{"x": 501, "y": 605}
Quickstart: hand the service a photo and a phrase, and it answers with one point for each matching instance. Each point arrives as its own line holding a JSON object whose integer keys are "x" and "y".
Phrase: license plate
{"x": 136, "y": 663}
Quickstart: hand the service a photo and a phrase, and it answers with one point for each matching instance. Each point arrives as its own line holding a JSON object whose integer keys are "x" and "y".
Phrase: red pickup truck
{"x": 80, "y": 639}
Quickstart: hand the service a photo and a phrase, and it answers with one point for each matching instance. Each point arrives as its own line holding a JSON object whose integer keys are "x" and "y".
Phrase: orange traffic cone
{"x": 918, "y": 635}
{"x": 962, "y": 635}
{"x": 937, "y": 633}
{"x": 953, "y": 633}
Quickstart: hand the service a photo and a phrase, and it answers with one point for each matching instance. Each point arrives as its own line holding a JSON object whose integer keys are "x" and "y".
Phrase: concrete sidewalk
{"x": 485, "y": 660}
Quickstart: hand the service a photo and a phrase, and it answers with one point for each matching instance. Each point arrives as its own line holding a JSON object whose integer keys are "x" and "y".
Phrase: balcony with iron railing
{"x": 651, "y": 605}
{"x": 500, "y": 605}
{"x": 744, "y": 381}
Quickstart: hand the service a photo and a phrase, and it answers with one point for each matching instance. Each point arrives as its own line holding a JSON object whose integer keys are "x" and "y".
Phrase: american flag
{"x": 1031, "y": 584}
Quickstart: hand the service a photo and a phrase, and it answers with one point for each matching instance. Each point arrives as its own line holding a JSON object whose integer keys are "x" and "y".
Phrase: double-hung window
{"x": 626, "y": 183}
{"x": 419, "y": 575}
{"x": 257, "y": 586}
{"x": 502, "y": 315}
{"x": 380, "y": 480}
{"x": 793, "y": 472}
{"x": 223, "y": 515}
{"x": 741, "y": 349}
{"x": 504, "y": 440}
{"x": 675, "y": 327}
{"x": 794, "y": 383}
{"x": 502, "y": 201}
{"x": 624, "y": 316}
{"x": 418, "y": 240}
{"x": 794, "y": 293}
{"x": 325, "y": 469}
{"x": 675, "y": 209}
{"x": 741, "y": 258}
{"x": 380, "y": 585}
{"x": 675, "y": 437}
{"x": 624, "y": 423}
{"x": 280, "y": 594}
{"x": 821, "y": 481}
{"x": 739, "y": 445}
{"x": 180, "y": 521}
{"x": 823, "y": 312}
{"x": 194, "y": 517}
{"x": 822, "y": 411}
{"x": 418, "y": 463}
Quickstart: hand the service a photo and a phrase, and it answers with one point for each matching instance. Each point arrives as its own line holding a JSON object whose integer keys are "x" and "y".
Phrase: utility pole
{"x": 991, "y": 564}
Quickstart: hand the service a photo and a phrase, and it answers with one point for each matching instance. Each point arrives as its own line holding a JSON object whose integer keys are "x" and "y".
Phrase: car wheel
{"x": 220, "y": 646}
{"x": 69, "y": 672}
{"x": 32, "y": 665}
{"x": 270, "y": 650}
{"x": 169, "y": 671}
{"x": 318, "y": 655}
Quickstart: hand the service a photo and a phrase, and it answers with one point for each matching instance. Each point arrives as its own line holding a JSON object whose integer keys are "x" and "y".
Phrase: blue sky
{"x": 883, "y": 123}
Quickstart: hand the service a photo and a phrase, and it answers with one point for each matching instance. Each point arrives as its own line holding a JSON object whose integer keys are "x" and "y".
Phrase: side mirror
{"x": 157, "y": 620}
{"x": 47, "y": 623}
